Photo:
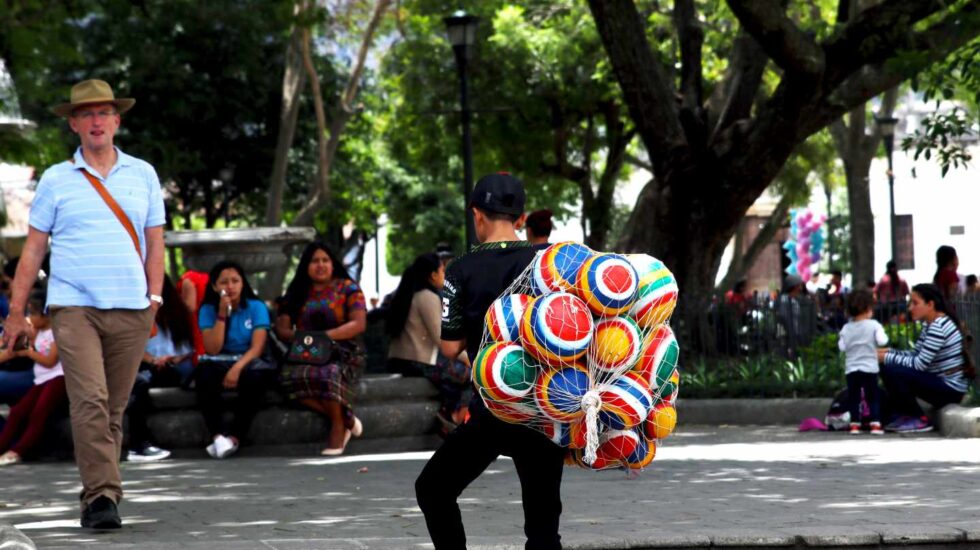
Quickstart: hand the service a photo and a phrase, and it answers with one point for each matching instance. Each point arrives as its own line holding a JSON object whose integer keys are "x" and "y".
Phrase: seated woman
{"x": 414, "y": 325}
{"x": 25, "y": 425}
{"x": 16, "y": 379}
{"x": 192, "y": 286}
{"x": 322, "y": 297}
{"x": 234, "y": 325}
{"x": 166, "y": 362}
{"x": 935, "y": 371}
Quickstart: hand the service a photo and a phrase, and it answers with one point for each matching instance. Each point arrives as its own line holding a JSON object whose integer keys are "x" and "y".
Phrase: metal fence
{"x": 791, "y": 328}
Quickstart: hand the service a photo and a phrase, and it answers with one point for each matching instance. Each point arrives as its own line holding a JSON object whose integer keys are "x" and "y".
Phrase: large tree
{"x": 716, "y": 145}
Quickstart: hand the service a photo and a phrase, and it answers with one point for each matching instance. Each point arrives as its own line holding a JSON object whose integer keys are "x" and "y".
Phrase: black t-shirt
{"x": 474, "y": 281}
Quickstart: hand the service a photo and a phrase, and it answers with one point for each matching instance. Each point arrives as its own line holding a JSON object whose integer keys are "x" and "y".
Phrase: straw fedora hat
{"x": 90, "y": 92}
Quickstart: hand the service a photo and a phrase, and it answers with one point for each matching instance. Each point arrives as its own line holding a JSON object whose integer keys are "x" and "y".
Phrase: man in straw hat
{"x": 104, "y": 213}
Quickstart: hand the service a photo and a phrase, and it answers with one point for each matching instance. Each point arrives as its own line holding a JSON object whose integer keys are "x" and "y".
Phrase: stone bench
{"x": 398, "y": 414}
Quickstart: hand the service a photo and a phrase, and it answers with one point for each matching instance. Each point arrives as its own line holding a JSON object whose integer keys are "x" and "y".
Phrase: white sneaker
{"x": 149, "y": 453}
{"x": 9, "y": 458}
{"x": 224, "y": 446}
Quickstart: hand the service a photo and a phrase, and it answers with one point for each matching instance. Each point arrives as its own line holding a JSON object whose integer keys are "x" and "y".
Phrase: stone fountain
{"x": 257, "y": 249}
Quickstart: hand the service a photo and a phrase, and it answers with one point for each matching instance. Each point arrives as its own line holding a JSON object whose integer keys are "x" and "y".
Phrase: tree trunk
{"x": 862, "y": 222}
{"x": 857, "y": 149}
{"x": 292, "y": 84}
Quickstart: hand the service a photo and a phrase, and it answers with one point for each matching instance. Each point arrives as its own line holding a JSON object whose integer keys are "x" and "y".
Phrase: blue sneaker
{"x": 911, "y": 425}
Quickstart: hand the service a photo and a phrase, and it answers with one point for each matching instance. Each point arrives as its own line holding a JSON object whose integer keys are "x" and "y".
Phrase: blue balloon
{"x": 792, "y": 269}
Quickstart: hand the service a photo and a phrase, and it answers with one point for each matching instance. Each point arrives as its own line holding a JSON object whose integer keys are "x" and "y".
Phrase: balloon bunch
{"x": 805, "y": 244}
{"x": 579, "y": 349}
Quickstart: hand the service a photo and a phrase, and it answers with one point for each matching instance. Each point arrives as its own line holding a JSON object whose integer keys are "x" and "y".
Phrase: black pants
{"x": 139, "y": 407}
{"x": 257, "y": 377}
{"x": 867, "y": 381}
{"x": 904, "y": 385}
{"x": 466, "y": 453}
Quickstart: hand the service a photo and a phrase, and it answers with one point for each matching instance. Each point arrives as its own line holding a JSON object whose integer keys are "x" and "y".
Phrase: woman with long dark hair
{"x": 891, "y": 288}
{"x": 414, "y": 326}
{"x": 937, "y": 370}
{"x": 323, "y": 297}
{"x": 166, "y": 362}
{"x": 235, "y": 328}
{"x": 946, "y": 279}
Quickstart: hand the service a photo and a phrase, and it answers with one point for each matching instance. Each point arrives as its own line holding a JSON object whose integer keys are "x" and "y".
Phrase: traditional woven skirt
{"x": 335, "y": 381}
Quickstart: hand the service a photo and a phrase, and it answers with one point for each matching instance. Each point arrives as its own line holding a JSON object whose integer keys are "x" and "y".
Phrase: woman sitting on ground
{"x": 323, "y": 298}
{"x": 27, "y": 419}
{"x": 166, "y": 362}
{"x": 936, "y": 371}
{"x": 234, "y": 325}
{"x": 414, "y": 324}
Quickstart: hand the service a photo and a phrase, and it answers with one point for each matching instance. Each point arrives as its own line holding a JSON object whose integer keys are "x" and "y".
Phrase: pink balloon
{"x": 805, "y": 273}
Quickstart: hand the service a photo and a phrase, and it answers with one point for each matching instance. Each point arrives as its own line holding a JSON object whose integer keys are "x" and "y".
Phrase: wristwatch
{"x": 156, "y": 298}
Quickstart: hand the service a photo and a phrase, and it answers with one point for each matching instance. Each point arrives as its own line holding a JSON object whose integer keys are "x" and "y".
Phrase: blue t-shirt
{"x": 250, "y": 315}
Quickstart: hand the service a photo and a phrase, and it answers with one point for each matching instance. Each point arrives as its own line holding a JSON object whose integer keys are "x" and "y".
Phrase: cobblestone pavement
{"x": 721, "y": 486}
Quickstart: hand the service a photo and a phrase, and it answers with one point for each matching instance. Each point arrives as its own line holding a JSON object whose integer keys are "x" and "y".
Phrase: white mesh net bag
{"x": 579, "y": 348}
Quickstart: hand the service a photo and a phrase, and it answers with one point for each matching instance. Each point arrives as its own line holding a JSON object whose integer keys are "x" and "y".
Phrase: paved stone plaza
{"x": 722, "y": 486}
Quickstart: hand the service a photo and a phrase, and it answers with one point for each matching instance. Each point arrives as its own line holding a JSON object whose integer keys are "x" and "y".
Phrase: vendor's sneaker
{"x": 148, "y": 453}
{"x": 876, "y": 429}
{"x": 855, "y": 429}
{"x": 913, "y": 425}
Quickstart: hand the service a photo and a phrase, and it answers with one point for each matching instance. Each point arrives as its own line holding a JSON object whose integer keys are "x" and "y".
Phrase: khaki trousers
{"x": 100, "y": 350}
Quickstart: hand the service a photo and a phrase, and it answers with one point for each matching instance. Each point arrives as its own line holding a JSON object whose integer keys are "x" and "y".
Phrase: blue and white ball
{"x": 626, "y": 401}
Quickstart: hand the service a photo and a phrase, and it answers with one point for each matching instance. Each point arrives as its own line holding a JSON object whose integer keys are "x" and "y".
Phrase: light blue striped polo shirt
{"x": 93, "y": 262}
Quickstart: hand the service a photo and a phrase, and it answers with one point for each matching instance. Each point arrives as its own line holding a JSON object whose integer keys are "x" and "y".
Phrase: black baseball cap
{"x": 501, "y": 193}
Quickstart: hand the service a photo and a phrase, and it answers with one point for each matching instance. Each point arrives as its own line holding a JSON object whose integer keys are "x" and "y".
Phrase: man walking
{"x": 104, "y": 213}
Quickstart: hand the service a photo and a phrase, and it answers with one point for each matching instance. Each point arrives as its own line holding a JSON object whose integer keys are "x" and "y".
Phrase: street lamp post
{"x": 461, "y": 29}
{"x": 887, "y": 127}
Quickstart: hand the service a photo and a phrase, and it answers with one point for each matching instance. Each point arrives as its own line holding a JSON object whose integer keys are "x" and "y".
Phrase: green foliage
{"x": 207, "y": 101}
{"x": 813, "y": 163}
{"x": 537, "y": 76}
{"x": 762, "y": 377}
{"x": 942, "y": 134}
{"x": 822, "y": 349}
{"x": 902, "y": 335}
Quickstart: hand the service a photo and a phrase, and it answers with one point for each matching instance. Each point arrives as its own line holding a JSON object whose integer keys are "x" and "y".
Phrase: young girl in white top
{"x": 859, "y": 340}
{"x": 25, "y": 425}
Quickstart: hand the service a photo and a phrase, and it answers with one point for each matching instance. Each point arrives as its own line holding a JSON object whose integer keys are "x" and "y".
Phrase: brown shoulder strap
{"x": 116, "y": 209}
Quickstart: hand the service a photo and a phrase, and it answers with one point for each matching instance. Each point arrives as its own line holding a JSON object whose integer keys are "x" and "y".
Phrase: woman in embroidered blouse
{"x": 322, "y": 297}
